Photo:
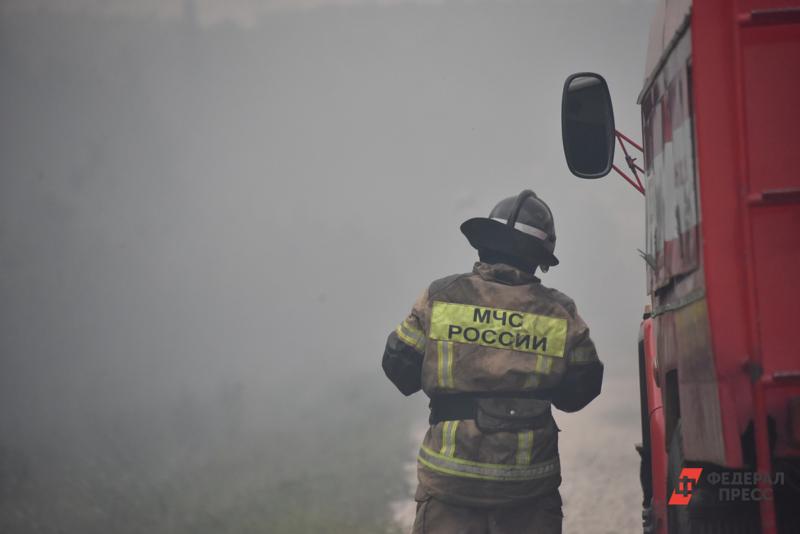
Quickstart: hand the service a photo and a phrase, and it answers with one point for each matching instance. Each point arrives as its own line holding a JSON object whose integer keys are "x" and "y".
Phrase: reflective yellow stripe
{"x": 405, "y": 338}
{"x": 449, "y": 438}
{"x": 485, "y": 471}
{"x": 412, "y": 336}
{"x": 498, "y": 328}
{"x": 444, "y": 353}
{"x": 448, "y": 349}
{"x": 440, "y": 363}
{"x": 412, "y": 330}
{"x": 524, "y": 447}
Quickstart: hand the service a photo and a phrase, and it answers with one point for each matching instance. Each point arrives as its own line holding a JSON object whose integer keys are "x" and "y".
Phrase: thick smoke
{"x": 207, "y": 231}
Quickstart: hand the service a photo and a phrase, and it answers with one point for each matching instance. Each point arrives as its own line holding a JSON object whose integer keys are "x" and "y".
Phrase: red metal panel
{"x": 751, "y": 5}
{"x": 716, "y": 125}
{"x": 761, "y": 31}
{"x": 776, "y": 258}
{"x": 771, "y": 76}
{"x": 746, "y": 74}
{"x": 771, "y": 68}
{"x": 776, "y": 254}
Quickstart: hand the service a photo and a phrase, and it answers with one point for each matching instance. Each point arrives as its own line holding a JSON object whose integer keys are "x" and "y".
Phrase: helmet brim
{"x": 484, "y": 233}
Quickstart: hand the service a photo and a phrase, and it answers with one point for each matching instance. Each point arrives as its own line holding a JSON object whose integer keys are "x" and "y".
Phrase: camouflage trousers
{"x": 542, "y": 516}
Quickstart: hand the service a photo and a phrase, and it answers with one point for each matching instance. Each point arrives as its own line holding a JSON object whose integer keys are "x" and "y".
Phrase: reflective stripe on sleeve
{"x": 412, "y": 336}
{"x": 483, "y": 471}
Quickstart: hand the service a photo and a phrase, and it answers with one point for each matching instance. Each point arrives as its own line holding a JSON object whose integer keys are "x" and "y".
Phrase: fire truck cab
{"x": 719, "y": 365}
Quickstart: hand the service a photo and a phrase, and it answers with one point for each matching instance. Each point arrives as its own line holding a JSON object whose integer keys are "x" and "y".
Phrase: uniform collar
{"x": 504, "y": 274}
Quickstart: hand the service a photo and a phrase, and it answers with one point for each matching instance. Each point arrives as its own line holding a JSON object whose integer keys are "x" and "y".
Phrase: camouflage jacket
{"x": 499, "y": 336}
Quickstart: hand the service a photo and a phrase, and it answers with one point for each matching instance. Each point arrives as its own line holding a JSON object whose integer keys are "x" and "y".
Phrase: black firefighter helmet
{"x": 520, "y": 226}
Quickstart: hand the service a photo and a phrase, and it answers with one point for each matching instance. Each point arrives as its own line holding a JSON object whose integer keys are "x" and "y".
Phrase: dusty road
{"x": 600, "y": 467}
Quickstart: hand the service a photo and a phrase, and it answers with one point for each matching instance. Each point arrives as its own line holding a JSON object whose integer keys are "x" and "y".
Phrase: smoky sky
{"x": 188, "y": 200}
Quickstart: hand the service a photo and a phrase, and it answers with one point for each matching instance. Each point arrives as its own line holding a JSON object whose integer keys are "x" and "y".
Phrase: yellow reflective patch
{"x": 412, "y": 330}
{"x": 524, "y": 447}
{"x": 498, "y": 328}
{"x": 444, "y": 364}
{"x": 449, "y": 438}
{"x": 411, "y": 336}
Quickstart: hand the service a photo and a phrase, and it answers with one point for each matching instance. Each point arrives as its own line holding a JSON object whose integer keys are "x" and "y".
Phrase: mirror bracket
{"x": 631, "y": 161}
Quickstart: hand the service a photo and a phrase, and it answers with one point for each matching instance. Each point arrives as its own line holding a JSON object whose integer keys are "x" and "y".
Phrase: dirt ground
{"x": 600, "y": 467}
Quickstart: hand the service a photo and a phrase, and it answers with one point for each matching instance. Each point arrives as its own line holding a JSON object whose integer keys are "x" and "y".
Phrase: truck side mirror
{"x": 587, "y": 125}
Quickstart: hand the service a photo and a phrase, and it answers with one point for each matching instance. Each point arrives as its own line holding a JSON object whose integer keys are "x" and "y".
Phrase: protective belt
{"x": 460, "y": 407}
{"x": 452, "y": 408}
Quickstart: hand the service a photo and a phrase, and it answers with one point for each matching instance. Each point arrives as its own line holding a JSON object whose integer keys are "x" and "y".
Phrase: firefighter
{"x": 494, "y": 349}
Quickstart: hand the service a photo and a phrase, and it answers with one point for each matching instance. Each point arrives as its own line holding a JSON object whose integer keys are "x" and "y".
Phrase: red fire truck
{"x": 719, "y": 364}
